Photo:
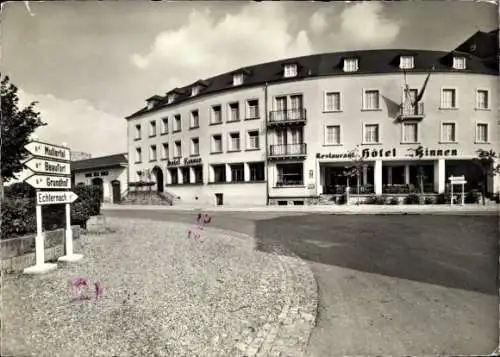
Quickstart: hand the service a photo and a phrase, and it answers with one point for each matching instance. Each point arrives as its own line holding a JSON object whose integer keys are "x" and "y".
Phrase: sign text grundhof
{"x": 419, "y": 152}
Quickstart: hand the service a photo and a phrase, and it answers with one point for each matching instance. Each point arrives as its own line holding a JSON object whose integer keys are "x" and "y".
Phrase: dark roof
{"x": 481, "y": 44}
{"x": 102, "y": 162}
{"x": 330, "y": 64}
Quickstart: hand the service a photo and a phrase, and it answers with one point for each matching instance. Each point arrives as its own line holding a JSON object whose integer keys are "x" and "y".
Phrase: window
{"x": 164, "y": 152}
{"x": 290, "y": 174}
{"x": 371, "y": 134}
{"x": 152, "y": 128}
{"x": 459, "y": 62}
{"x": 152, "y": 153}
{"x": 177, "y": 122}
{"x": 296, "y": 135}
{"x": 256, "y": 171}
{"x": 238, "y": 79}
{"x": 198, "y": 174}
{"x": 234, "y": 112}
{"x": 219, "y": 173}
{"x": 253, "y": 109}
{"x": 104, "y": 173}
{"x": 195, "y": 119}
{"x": 217, "y": 143}
{"x": 371, "y": 100}
{"x": 482, "y": 133}
{"x": 281, "y": 104}
{"x": 350, "y": 65}
{"x": 138, "y": 155}
{"x": 237, "y": 173}
{"x": 174, "y": 177}
{"x": 333, "y": 135}
{"x": 332, "y": 102}
{"x": 290, "y": 70}
{"x": 170, "y": 98}
{"x": 234, "y": 142}
{"x": 178, "y": 149}
{"x": 406, "y": 62}
{"x": 195, "y": 146}
{"x": 448, "y": 99}
{"x": 88, "y": 175}
{"x": 164, "y": 125}
{"x": 138, "y": 132}
{"x": 96, "y": 174}
{"x": 410, "y": 132}
{"x": 194, "y": 91}
{"x": 448, "y": 132}
{"x": 253, "y": 140}
{"x": 216, "y": 116}
{"x": 482, "y": 99}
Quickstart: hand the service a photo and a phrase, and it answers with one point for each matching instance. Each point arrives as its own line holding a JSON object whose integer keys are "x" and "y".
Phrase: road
{"x": 388, "y": 284}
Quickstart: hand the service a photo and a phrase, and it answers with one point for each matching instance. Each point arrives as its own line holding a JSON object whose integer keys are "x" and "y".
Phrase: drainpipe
{"x": 266, "y": 114}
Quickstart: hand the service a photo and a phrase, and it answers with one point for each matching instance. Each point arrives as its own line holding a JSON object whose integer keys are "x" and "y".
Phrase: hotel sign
{"x": 186, "y": 162}
{"x": 419, "y": 152}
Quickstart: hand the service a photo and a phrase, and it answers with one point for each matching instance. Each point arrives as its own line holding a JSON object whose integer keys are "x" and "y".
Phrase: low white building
{"x": 110, "y": 172}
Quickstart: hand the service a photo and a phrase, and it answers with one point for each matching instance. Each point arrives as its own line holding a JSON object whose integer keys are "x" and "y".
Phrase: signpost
{"x": 51, "y": 167}
{"x": 457, "y": 180}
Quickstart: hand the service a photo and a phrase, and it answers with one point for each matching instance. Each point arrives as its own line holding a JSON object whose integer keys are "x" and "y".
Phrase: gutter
{"x": 266, "y": 114}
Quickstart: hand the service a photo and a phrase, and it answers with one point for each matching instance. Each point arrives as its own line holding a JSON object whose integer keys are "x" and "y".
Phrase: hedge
{"x": 19, "y": 210}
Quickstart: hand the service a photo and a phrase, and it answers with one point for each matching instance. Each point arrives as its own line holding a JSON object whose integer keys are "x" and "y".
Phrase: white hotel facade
{"x": 281, "y": 132}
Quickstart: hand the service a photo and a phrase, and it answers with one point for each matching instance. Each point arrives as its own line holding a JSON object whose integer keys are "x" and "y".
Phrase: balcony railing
{"x": 411, "y": 111}
{"x": 287, "y": 116}
{"x": 288, "y": 150}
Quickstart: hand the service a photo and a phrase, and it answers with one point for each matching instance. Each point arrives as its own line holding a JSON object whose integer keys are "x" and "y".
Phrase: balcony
{"x": 290, "y": 151}
{"x": 411, "y": 111}
{"x": 287, "y": 117}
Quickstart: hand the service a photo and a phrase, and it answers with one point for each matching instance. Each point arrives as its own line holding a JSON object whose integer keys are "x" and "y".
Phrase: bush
{"x": 19, "y": 213}
{"x": 394, "y": 201}
{"x": 380, "y": 200}
{"x": 342, "y": 200}
{"x": 473, "y": 196}
{"x": 429, "y": 200}
{"x": 412, "y": 199}
{"x": 443, "y": 198}
{"x": 18, "y": 217}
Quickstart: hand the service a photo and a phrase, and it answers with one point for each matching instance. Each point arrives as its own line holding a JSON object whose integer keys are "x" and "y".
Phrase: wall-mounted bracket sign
{"x": 50, "y": 175}
{"x": 57, "y": 197}
{"x": 187, "y": 161}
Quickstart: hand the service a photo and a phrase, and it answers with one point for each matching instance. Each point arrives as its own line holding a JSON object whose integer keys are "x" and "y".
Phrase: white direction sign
{"x": 44, "y": 181}
{"x": 52, "y": 198}
{"x": 49, "y": 151}
{"x": 48, "y": 167}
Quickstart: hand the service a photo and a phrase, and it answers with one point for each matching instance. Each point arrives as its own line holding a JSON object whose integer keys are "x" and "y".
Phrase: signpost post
{"x": 51, "y": 167}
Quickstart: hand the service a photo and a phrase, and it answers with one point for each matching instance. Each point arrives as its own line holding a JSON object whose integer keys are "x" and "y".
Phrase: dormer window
{"x": 406, "y": 62}
{"x": 350, "y": 65}
{"x": 194, "y": 91}
{"x": 170, "y": 98}
{"x": 290, "y": 70}
{"x": 238, "y": 79}
{"x": 150, "y": 104}
{"x": 459, "y": 62}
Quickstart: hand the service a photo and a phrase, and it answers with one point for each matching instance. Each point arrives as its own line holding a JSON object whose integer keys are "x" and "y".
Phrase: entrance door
{"x": 116, "y": 191}
{"x": 98, "y": 182}
{"x": 159, "y": 178}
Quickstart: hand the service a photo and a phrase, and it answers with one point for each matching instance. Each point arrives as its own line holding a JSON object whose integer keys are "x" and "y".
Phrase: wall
{"x": 119, "y": 174}
{"x": 19, "y": 253}
{"x": 238, "y": 194}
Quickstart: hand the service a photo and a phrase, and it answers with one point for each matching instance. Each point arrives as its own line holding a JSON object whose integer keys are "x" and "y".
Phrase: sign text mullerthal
{"x": 186, "y": 161}
{"x": 419, "y": 152}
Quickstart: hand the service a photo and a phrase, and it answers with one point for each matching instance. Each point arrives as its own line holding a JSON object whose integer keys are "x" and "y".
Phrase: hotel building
{"x": 283, "y": 132}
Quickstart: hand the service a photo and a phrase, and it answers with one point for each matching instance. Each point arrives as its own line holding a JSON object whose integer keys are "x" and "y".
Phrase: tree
{"x": 485, "y": 160}
{"x": 17, "y": 125}
{"x": 355, "y": 169}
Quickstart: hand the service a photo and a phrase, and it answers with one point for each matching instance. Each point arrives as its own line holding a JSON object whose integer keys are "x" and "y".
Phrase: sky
{"x": 90, "y": 64}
